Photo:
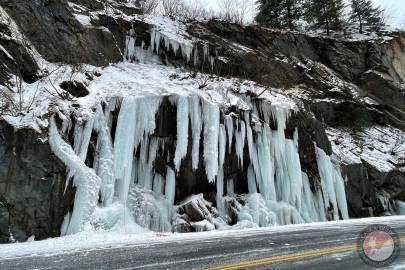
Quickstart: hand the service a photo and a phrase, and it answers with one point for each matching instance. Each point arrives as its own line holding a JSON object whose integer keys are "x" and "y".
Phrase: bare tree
{"x": 194, "y": 10}
{"x": 12, "y": 98}
{"x": 172, "y": 8}
{"x": 388, "y": 15}
{"x": 402, "y": 23}
{"x": 236, "y": 11}
{"x": 202, "y": 80}
{"x": 149, "y": 6}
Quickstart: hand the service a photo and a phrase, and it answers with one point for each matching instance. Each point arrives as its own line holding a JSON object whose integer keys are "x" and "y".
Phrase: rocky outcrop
{"x": 15, "y": 57}
{"x": 33, "y": 199}
{"x": 59, "y": 36}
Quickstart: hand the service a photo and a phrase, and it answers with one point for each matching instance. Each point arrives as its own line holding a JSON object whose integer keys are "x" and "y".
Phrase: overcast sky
{"x": 395, "y": 9}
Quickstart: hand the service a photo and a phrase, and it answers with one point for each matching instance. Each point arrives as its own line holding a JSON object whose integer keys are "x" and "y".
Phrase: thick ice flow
{"x": 86, "y": 181}
{"x": 133, "y": 179}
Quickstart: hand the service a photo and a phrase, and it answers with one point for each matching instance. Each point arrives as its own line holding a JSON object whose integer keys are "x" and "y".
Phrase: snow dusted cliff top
{"x": 133, "y": 79}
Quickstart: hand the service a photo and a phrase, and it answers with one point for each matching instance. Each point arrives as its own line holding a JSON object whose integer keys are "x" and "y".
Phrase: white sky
{"x": 395, "y": 9}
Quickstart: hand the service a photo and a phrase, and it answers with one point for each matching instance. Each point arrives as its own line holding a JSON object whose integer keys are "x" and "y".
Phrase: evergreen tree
{"x": 327, "y": 14}
{"x": 279, "y": 13}
{"x": 365, "y": 14}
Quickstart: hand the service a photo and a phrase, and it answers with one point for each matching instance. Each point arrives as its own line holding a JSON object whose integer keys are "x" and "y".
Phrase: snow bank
{"x": 87, "y": 241}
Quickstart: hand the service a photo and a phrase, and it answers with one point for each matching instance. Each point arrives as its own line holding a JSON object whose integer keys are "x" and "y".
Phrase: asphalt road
{"x": 311, "y": 247}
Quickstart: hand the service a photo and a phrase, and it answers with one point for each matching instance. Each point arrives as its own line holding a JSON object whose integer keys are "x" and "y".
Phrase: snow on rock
{"x": 83, "y": 19}
{"x": 172, "y": 33}
{"x": 382, "y": 147}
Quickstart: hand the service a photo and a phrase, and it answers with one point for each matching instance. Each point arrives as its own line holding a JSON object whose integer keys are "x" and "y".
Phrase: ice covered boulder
{"x": 203, "y": 226}
{"x": 197, "y": 208}
{"x": 181, "y": 224}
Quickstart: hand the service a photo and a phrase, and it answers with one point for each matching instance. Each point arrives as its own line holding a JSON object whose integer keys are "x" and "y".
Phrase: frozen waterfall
{"x": 134, "y": 176}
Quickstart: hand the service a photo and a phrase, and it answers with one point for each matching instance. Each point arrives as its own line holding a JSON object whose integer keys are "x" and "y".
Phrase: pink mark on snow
{"x": 162, "y": 234}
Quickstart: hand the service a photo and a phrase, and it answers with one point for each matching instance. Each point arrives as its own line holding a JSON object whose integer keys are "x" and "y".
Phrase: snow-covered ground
{"x": 118, "y": 239}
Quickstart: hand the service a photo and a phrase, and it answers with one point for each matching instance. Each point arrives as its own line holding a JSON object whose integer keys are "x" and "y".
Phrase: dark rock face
{"x": 15, "y": 58}
{"x": 33, "y": 200}
{"x": 75, "y": 88}
{"x": 58, "y": 36}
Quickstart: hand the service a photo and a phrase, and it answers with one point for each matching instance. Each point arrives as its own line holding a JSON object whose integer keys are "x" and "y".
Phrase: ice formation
{"x": 177, "y": 46}
{"x": 131, "y": 176}
{"x": 182, "y": 131}
{"x": 211, "y": 132}
{"x": 85, "y": 180}
{"x": 400, "y": 207}
{"x": 123, "y": 186}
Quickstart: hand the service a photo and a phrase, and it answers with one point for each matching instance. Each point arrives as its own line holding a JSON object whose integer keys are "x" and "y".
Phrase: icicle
{"x": 82, "y": 138}
{"x": 294, "y": 173}
{"x": 205, "y": 52}
{"x": 124, "y": 146}
{"x": 240, "y": 141}
{"x": 196, "y": 125}
{"x": 278, "y": 155}
{"x": 229, "y": 129}
{"x": 220, "y": 191}
{"x": 230, "y": 187}
{"x": 251, "y": 180}
{"x": 145, "y": 173}
{"x": 254, "y": 160}
{"x": 187, "y": 51}
{"x": 211, "y": 134}
{"x": 266, "y": 166}
{"x": 328, "y": 174}
{"x": 84, "y": 146}
{"x": 155, "y": 41}
{"x": 104, "y": 160}
{"x": 341, "y": 194}
{"x": 222, "y": 145}
{"x": 321, "y": 206}
{"x": 130, "y": 46}
{"x": 309, "y": 210}
{"x": 280, "y": 115}
{"x": 170, "y": 187}
{"x": 87, "y": 183}
{"x": 170, "y": 43}
{"x": 147, "y": 108}
{"x": 182, "y": 131}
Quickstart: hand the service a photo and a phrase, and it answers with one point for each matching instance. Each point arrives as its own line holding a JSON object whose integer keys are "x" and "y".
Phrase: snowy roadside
{"x": 87, "y": 241}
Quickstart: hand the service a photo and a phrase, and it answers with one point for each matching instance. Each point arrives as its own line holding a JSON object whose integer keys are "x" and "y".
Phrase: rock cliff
{"x": 349, "y": 93}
